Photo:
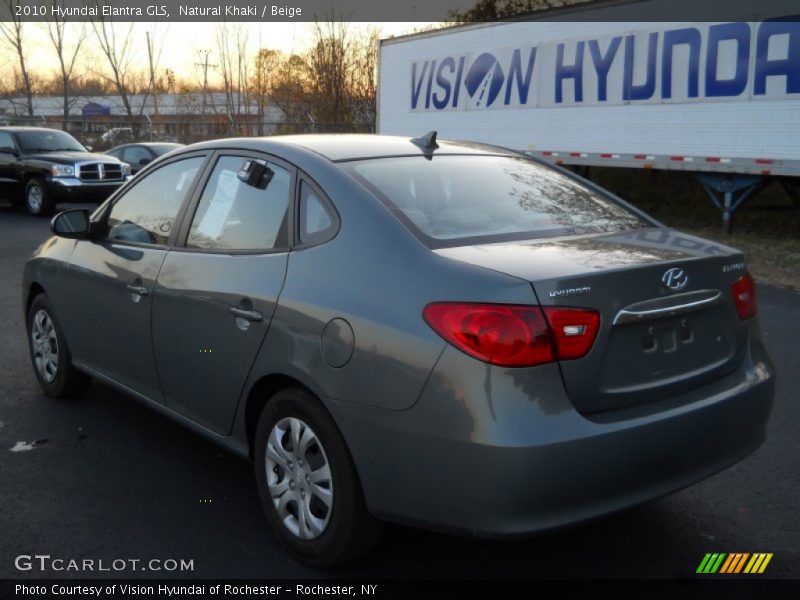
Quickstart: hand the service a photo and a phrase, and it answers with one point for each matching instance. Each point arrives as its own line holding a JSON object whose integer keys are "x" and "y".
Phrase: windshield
{"x": 47, "y": 141}
{"x": 449, "y": 199}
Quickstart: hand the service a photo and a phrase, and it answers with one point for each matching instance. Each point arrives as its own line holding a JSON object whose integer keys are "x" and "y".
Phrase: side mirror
{"x": 8, "y": 150}
{"x": 145, "y": 161}
{"x": 89, "y": 148}
{"x": 73, "y": 224}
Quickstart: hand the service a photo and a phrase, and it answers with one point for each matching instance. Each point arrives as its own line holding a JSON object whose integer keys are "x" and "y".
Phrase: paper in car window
{"x": 219, "y": 209}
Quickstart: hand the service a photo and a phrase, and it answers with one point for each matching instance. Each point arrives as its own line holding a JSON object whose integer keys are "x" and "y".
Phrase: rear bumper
{"x": 530, "y": 462}
{"x": 70, "y": 189}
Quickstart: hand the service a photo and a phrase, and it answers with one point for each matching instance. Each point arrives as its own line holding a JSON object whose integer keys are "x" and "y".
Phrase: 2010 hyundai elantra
{"x": 442, "y": 334}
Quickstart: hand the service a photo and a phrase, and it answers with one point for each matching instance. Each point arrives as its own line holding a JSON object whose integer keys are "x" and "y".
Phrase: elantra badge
{"x": 675, "y": 279}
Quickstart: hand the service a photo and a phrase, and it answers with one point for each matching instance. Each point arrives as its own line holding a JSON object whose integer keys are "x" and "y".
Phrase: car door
{"x": 8, "y": 160}
{"x": 111, "y": 277}
{"x": 217, "y": 290}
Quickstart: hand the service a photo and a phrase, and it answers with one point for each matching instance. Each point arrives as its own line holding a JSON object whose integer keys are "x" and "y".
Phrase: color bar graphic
{"x": 734, "y": 562}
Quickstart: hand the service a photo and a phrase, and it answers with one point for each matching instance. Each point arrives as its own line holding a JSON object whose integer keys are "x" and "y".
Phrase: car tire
{"x": 333, "y": 534}
{"x": 38, "y": 201}
{"x": 50, "y": 356}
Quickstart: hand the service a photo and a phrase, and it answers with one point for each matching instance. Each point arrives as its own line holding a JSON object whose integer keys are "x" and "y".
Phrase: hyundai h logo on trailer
{"x": 659, "y": 65}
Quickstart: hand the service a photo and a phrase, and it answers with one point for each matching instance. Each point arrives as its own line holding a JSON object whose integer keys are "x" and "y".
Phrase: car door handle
{"x": 138, "y": 289}
{"x": 247, "y": 314}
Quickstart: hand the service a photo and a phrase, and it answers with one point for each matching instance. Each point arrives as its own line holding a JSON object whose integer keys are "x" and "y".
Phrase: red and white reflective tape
{"x": 650, "y": 159}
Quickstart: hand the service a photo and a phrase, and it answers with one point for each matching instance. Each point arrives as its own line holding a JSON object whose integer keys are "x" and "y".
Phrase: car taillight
{"x": 743, "y": 291}
{"x": 513, "y": 335}
{"x": 574, "y": 330}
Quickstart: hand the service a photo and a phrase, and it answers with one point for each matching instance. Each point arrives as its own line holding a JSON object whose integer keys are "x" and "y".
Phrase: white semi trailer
{"x": 721, "y": 99}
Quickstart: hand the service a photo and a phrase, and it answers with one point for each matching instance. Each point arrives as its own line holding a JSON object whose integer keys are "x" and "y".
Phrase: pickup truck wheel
{"x": 37, "y": 200}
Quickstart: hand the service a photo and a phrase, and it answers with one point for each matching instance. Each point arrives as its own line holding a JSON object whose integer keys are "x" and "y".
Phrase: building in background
{"x": 102, "y": 121}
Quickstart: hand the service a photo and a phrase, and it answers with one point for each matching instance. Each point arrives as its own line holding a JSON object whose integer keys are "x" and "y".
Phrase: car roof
{"x": 20, "y": 128}
{"x": 350, "y": 146}
{"x": 150, "y": 145}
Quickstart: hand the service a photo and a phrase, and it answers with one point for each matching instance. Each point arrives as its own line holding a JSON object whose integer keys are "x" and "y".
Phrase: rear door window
{"x": 450, "y": 199}
{"x": 235, "y": 216}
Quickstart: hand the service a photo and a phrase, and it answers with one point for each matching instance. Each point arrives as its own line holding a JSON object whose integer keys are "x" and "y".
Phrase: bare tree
{"x": 13, "y": 33}
{"x": 281, "y": 81}
{"x": 155, "y": 84}
{"x": 342, "y": 75}
{"x": 330, "y": 71}
{"x": 261, "y": 84}
{"x": 365, "y": 78}
{"x": 117, "y": 47}
{"x": 67, "y": 53}
{"x": 232, "y": 43}
{"x": 492, "y": 10}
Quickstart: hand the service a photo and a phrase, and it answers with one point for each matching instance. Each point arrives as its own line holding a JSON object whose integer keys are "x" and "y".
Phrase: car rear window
{"x": 447, "y": 200}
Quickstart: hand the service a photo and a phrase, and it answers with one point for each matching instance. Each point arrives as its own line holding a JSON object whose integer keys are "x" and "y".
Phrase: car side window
{"x": 115, "y": 152}
{"x": 133, "y": 155}
{"x": 233, "y": 215}
{"x": 316, "y": 221}
{"x": 146, "y": 213}
{"x": 6, "y": 143}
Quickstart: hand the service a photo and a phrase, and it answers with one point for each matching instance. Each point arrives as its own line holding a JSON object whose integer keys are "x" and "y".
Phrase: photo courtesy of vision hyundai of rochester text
{"x": 442, "y": 334}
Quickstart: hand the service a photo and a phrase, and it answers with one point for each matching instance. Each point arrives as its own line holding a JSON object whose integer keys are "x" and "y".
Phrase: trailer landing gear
{"x": 728, "y": 192}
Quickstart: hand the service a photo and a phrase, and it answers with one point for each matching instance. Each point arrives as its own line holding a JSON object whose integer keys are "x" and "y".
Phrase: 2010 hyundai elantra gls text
{"x": 443, "y": 334}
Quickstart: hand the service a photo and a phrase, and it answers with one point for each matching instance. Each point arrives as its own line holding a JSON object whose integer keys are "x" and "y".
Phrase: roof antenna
{"x": 427, "y": 142}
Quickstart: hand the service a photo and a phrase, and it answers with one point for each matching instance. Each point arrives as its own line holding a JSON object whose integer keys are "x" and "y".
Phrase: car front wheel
{"x": 50, "y": 356}
{"x": 308, "y": 483}
{"x": 38, "y": 200}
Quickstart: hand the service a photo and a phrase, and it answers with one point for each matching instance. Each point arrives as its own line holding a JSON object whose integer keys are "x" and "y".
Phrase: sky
{"x": 182, "y": 44}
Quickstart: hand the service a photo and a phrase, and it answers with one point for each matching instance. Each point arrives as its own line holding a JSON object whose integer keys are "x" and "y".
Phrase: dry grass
{"x": 770, "y": 239}
{"x": 771, "y": 260}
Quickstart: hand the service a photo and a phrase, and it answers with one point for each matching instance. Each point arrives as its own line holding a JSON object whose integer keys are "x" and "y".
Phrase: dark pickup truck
{"x": 41, "y": 167}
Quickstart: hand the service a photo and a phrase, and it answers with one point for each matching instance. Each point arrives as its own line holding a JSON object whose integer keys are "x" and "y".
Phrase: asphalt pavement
{"x": 111, "y": 479}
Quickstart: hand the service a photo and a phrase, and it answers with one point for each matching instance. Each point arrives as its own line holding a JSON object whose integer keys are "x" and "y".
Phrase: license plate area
{"x": 668, "y": 350}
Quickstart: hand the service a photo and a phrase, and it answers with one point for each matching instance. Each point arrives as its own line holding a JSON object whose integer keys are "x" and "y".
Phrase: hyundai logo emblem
{"x": 675, "y": 279}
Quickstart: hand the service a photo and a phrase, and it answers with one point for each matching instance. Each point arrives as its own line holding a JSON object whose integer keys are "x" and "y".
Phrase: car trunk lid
{"x": 668, "y": 322}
